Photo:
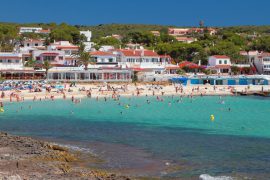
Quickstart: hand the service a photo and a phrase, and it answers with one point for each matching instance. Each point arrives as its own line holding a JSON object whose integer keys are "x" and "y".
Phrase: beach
{"x": 80, "y": 113}
{"x": 114, "y": 90}
{"x": 134, "y": 130}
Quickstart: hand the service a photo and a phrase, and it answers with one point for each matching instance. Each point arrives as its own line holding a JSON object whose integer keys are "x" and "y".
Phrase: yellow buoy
{"x": 2, "y": 110}
{"x": 212, "y": 118}
{"x": 127, "y": 106}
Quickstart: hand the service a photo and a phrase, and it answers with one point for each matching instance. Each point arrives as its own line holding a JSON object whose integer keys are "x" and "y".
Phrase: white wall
{"x": 213, "y": 61}
{"x": 14, "y": 62}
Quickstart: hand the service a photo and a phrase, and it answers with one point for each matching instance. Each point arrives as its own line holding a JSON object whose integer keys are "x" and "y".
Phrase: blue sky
{"x": 165, "y": 12}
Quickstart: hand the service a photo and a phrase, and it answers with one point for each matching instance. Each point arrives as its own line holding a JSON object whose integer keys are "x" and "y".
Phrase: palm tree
{"x": 46, "y": 65}
{"x": 30, "y": 63}
{"x": 84, "y": 58}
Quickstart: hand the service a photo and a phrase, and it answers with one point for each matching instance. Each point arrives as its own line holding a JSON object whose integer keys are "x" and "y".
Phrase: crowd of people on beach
{"x": 38, "y": 91}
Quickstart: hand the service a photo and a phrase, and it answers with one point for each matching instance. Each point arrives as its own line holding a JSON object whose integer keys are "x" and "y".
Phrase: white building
{"x": 104, "y": 58}
{"x": 142, "y": 60}
{"x": 37, "y": 30}
{"x": 106, "y": 48}
{"x": 68, "y": 48}
{"x": 11, "y": 61}
{"x": 30, "y": 29}
{"x": 186, "y": 39}
{"x": 220, "y": 63}
{"x": 262, "y": 63}
{"x": 250, "y": 55}
{"x": 88, "y": 44}
{"x": 33, "y": 43}
{"x": 55, "y": 57}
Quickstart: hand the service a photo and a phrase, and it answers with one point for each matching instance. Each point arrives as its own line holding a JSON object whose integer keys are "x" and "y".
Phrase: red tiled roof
{"x": 137, "y": 69}
{"x": 44, "y": 31}
{"x": 101, "y": 53}
{"x": 139, "y": 53}
{"x": 265, "y": 54}
{"x": 17, "y": 70}
{"x": 221, "y": 56}
{"x": 10, "y": 57}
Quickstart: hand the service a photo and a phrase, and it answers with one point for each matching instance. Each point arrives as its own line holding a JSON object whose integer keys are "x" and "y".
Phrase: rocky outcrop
{"x": 27, "y": 158}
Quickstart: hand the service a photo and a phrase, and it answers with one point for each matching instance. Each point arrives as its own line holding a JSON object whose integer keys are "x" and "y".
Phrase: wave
{"x": 208, "y": 177}
{"x": 76, "y": 148}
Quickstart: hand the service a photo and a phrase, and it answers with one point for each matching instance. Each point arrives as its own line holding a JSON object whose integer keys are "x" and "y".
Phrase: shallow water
{"x": 168, "y": 139}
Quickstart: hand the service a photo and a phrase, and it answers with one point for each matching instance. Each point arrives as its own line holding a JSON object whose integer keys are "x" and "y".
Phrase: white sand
{"x": 131, "y": 89}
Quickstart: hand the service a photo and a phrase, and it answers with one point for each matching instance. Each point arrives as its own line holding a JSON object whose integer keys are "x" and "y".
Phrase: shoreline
{"x": 55, "y": 160}
{"x": 23, "y": 157}
{"x": 130, "y": 90}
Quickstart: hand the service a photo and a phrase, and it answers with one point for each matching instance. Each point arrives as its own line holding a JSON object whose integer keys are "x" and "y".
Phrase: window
{"x": 266, "y": 59}
{"x": 36, "y": 44}
{"x": 1, "y": 60}
{"x": 61, "y": 58}
{"x": 49, "y": 58}
{"x": 37, "y": 58}
{"x": 28, "y": 44}
{"x": 220, "y": 61}
{"x": 225, "y": 61}
{"x": 9, "y": 61}
{"x": 67, "y": 52}
{"x": 110, "y": 60}
{"x": 17, "y": 61}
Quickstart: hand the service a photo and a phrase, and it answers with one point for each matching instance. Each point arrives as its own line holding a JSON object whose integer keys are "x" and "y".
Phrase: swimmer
{"x": 72, "y": 98}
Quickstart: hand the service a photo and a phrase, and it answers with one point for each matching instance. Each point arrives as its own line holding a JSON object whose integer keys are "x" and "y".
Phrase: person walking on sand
{"x": 2, "y": 95}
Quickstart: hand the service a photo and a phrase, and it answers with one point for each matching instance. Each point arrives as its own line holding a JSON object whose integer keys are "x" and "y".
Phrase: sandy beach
{"x": 102, "y": 90}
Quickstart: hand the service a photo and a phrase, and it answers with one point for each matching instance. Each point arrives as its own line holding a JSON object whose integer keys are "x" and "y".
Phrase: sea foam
{"x": 208, "y": 177}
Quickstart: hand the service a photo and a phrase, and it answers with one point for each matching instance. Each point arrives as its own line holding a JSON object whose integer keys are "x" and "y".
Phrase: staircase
{"x": 253, "y": 65}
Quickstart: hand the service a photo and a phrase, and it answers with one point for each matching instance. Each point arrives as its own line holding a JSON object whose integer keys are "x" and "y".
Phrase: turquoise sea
{"x": 169, "y": 139}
